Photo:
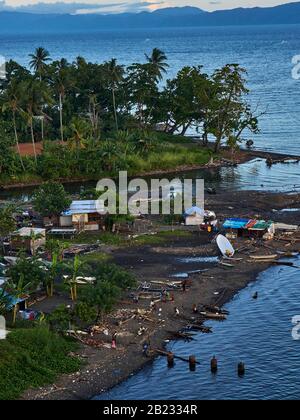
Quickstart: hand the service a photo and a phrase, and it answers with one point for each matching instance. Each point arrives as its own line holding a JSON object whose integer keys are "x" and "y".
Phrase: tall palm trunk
{"x": 15, "y": 312}
{"x": 115, "y": 108}
{"x": 42, "y": 127}
{"x": 17, "y": 140}
{"x": 61, "y": 117}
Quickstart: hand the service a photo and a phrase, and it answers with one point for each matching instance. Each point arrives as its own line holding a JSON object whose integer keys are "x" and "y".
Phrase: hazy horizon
{"x": 134, "y": 6}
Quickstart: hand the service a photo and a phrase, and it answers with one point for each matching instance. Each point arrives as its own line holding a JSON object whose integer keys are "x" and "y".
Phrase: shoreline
{"x": 107, "y": 368}
{"x": 242, "y": 156}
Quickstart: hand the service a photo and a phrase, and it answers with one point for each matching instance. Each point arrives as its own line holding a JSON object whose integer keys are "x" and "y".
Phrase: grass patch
{"x": 33, "y": 358}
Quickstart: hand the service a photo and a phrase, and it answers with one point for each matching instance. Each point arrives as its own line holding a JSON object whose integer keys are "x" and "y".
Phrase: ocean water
{"x": 257, "y": 332}
{"x": 265, "y": 51}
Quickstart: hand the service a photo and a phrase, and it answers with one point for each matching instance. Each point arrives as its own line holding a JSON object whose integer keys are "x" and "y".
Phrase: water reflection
{"x": 253, "y": 175}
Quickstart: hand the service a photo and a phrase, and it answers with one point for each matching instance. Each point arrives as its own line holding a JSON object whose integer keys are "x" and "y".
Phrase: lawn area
{"x": 32, "y": 358}
{"x": 113, "y": 239}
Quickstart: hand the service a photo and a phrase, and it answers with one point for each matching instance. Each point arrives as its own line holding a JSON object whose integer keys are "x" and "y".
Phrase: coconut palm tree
{"x": 39, "y": 61}
{"x": 62, "y": 82}
{"x": 35, "y": 96}
{"x": 114, "y": 74}
{"x": 12, "y": 103}
{"x": 158, "y": 60}
{"x": 80, "y": 132}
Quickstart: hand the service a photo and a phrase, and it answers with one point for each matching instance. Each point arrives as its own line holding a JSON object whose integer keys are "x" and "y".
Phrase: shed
{"x": 249, "y": 227}
{"x": 83, "y": 215}
{"x": 12, "y": 301}
{"x": 28, "y": 239}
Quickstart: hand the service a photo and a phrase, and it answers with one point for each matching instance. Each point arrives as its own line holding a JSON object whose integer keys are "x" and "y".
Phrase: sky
{"x": 117, "y": 6}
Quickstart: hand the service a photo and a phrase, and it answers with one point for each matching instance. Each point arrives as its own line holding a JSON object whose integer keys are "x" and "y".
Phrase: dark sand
{"x": 106, "y": 367}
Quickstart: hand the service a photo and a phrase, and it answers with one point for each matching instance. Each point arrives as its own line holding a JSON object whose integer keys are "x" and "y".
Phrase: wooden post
{"x": 170, "y": 359}
{"x": 192, "y": 362}
{"x": 241, "y": 369}
{"x": 214, "y": 365}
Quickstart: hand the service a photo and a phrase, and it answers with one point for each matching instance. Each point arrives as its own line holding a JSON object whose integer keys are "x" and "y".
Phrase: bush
{"x": 33, "y": 358}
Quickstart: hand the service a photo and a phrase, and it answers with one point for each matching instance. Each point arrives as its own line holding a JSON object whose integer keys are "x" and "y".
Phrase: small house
{"x": 83, "y": 215}
{"x": 28, "y": 239}
{"x": 236, "y": 227}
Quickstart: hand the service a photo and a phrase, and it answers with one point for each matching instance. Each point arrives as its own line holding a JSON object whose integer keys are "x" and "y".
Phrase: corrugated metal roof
{"x": 82, "y": 207}
{"x": 261, "y": 225}
{"x": 247, "y": 224}
{"x": 27, "y": 232}
{"x": 235, "y": 223}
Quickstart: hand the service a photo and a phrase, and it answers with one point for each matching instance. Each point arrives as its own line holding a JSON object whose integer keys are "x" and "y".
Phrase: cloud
{"x": 82, "y": 7}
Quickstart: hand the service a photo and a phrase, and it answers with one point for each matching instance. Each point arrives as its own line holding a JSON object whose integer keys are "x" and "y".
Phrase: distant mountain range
{"x": 20, "y": 22}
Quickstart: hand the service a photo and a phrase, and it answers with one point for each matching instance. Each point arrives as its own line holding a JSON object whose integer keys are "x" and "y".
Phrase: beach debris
{"x": 201, "y": 328}
{"x": 226, "y": 265}
{"x": 286, "y": 227}
{"x": 264, "y": 257}
{"x": 214, "y": 316}
{"x": 181, "y": 335}
{"x": 215, "y": 309}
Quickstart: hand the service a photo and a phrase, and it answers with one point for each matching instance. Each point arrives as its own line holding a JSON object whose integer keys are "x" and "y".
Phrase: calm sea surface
{"x": 258, "y": 332}
{"x": 266, "y": 52}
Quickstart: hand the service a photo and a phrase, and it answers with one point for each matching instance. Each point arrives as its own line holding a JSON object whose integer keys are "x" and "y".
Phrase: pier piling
{"x": 192, "y": 363}
{"x": 214, "y": 365}
{"x": 241, "y": 369}
{"x": 170, "y": 360}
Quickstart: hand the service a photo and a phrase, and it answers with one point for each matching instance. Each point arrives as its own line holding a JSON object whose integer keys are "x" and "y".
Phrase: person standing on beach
{"x": 114, "y": 340}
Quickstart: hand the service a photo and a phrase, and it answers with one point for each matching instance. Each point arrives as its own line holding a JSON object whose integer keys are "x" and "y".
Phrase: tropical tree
{"x": 158, "y": 61}
{"x": 61, "y": 81}
{"x": 102, "y": 296}
{"x": 30, "y": 269}
{"x": 35, "y": 96}
{"x": 71, "y": 280}
{"x": 229, "y": 100}
{"x": 80, "y": 133}
{"x": 51, "y": 200}
{"x": 39, "y": 61}
{"x": 52, "y": 275}
{"x": 141, "y": 84}
{"x": 12, "y": 103}
{"x": 4, "y": 302}
{"x": 7, "y": 221}
{"x": 114, "y": 75}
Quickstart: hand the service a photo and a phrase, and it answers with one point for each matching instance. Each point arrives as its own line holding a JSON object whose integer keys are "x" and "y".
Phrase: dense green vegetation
{"x": 33, "y": 357}
{"x": 97, "y": 119}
